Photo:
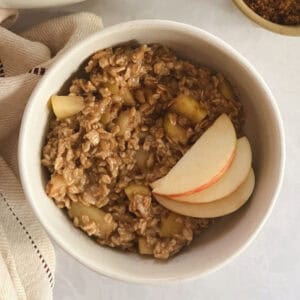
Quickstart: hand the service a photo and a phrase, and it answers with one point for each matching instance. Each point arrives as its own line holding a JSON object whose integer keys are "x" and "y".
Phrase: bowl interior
{"x": 220, "y": 242}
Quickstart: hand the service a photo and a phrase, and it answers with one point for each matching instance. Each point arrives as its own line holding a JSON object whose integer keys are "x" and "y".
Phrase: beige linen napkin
{"x": 27, "y": 259}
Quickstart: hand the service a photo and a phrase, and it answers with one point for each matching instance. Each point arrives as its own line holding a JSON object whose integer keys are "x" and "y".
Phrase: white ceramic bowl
{"x": 221, "y": 242}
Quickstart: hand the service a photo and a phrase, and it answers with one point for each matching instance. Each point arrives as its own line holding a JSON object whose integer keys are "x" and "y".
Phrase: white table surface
{"x": 270, "y": 267}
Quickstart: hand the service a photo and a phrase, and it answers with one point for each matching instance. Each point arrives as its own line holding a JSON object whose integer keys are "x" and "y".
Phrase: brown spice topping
{"x": 286, "y": 12}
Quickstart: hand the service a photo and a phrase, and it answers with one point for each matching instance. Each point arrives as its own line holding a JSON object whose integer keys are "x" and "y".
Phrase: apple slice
{"x": 203, "y": 164}
{"x": 230, "y": 181}
{"x": 66, "y": 106}
{"x": 213, "y": 209}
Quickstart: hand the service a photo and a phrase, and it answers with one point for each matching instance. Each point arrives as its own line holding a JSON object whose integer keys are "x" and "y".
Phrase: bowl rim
{"x": 164, "y": 24}
{"x": 290, "y": 30}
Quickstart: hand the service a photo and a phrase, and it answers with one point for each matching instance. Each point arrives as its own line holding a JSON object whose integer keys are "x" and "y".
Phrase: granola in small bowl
{"x": 286, "y": 12}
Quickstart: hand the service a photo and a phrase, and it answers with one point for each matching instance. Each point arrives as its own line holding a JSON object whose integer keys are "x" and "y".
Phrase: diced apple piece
{"x": 170, "y": 225}
{"x": 124, "y": 92}
{"x": 49, "y": 104}
{"x": 95, "y": 214}
{"x": 57, "y": 185}
{"x": 144, "y": 248}
{"x": 232, "y": 179}
{"x": 127, "y": 121}
{"x": 174, "y": 131}
{"x": 105, "y": 118}
{"x": 113, "y": 88}
{"x": 136, "y": 189}
{"x": 221, "y": 207}
{"x": 66, "y": 106}
{"x": 142, "y": 157}
{"x": 225, "y": 88}
{"x": 127, "y": 97}
{"x": 123, "y": 121}
{"x": 203, "y": 164}
{"x": 189, "y": 107}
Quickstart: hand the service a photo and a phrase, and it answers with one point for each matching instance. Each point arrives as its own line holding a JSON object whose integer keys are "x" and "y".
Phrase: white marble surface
{"x": 270, "y": 267}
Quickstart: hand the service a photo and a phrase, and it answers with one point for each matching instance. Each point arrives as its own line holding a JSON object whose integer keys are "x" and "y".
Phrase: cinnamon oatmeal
{"x": 128, "y": 134}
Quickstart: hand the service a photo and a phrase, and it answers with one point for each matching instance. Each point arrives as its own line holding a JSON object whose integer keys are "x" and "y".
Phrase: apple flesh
{"x": 189, "y": 107}
{"x": 225, "y": 88}
{"x": 175, "y": 132}
{"x": 230, "y": 181}
{"x": 203, "y": 164}
{"x": 170, "y": 225}
{"x": 144, "y": 247}
{"x": 221, "y": 207}
{"x": 144, "y": 159}
{"x": 66, "y": 106}
{"x": 77, "y": 210}
{"x": 136, "y": 189}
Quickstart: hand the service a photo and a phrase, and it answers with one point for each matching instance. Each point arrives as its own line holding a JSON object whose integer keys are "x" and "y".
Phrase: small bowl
{"x": 278, "y": 28}
{"x": 220, "y": 243}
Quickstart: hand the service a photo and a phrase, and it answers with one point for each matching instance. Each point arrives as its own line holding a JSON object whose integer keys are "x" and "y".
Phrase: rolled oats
{"x": 91, "y": 159}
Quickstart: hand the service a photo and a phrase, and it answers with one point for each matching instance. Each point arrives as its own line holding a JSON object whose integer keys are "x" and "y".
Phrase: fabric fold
{"x": 27, "y": 258}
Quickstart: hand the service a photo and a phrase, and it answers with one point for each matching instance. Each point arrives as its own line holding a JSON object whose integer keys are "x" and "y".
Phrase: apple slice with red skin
{"x": 230, "y": 181}
{"x": 203, "y": 164}
{"x": 221, "y": 207}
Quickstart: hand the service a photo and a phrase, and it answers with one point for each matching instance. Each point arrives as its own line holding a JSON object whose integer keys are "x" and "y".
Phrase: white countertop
{"x": 270, "y": 267}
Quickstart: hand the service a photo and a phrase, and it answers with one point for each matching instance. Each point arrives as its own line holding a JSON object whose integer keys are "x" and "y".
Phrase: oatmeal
{"x": 286, "y": 12}
{"x": 139, "y": 109}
